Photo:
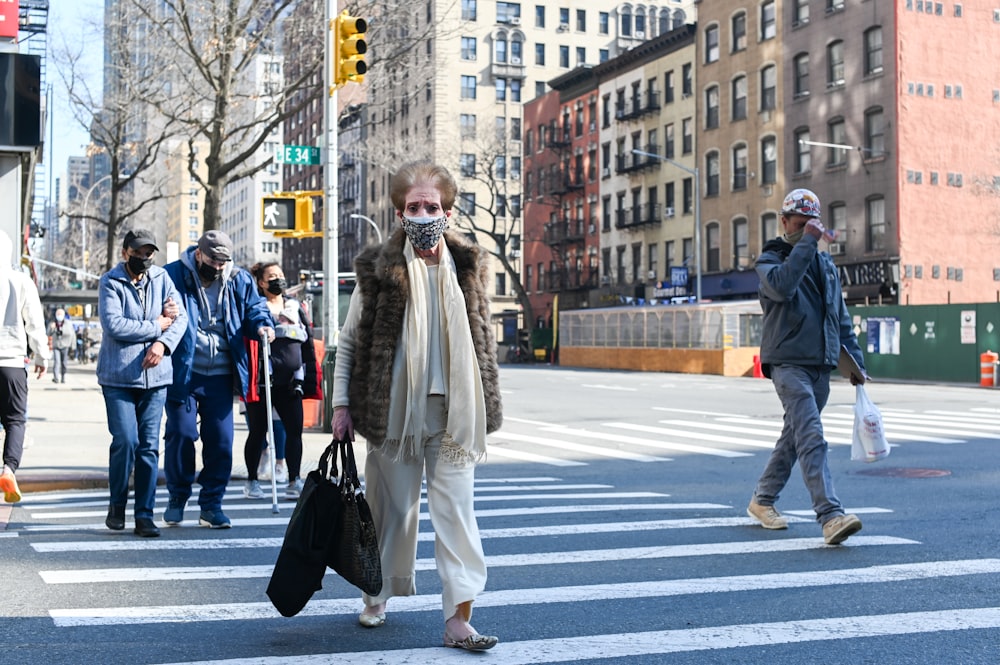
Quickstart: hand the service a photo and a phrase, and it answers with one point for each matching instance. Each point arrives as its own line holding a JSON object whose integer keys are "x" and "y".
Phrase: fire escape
{"x": 566, "y": 232}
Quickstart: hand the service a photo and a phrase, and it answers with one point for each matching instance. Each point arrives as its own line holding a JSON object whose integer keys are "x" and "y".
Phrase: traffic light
{"x": 287, "y": 214}
{"x": 349, "y": 48}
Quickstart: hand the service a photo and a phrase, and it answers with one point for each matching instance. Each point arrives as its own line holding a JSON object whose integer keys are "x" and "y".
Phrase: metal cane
{"x": 270, "y": 419}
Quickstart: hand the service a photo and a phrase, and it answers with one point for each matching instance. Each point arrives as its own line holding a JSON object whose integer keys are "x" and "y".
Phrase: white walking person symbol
{"x": 271, "y": 214}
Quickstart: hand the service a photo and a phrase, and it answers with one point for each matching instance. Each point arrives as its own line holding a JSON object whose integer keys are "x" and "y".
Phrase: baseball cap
{"x": 801, "y": 202}
{"x": 139, "y": 238}
{"x": 216, "y": 245}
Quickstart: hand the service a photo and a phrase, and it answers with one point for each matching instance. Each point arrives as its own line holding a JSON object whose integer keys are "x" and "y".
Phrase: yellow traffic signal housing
{"x": 289, "y": 214}
{"x": 349, "y": 48}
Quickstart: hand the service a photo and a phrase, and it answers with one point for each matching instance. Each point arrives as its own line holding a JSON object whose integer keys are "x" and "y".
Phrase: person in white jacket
{"x": 22, "y": 327}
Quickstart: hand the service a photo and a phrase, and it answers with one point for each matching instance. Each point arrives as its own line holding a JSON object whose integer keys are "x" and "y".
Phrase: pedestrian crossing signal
{"x": 288, "y": 214}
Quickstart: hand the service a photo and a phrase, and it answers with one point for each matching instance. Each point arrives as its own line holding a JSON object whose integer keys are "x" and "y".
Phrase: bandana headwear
{"x": 425, "y": 232}
{"x": 801, "y": 202}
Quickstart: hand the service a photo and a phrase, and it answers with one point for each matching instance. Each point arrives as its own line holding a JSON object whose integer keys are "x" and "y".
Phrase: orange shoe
{"x": 8, "y": 485}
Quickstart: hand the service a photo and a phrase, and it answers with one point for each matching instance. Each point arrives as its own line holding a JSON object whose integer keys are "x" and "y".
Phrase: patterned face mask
{"x": 425, "y": 232}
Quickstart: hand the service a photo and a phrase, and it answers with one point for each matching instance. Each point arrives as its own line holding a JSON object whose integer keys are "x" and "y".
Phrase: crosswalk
{"x": 667, "y": 433}
{"x": 555, "y": 547}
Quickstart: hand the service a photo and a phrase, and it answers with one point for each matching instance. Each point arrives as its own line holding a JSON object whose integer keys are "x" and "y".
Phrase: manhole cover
{"x": 898, "y": 472}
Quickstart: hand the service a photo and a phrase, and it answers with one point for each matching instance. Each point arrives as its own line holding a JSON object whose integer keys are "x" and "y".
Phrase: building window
{"x": 712, "y": 173}
{"x": 873, "y": 51}
{"x": 564, "y": 57}
{"x": 740, "y": 98}
{"x": 712, "y": 246}
{"x": 687, "y": 80}
{"x": 529, "y": 273}
{"x": 468, "y": 87}
{"x": 836, "y": 134}
{"x": 688, "y": 194}
{"x": 768, "y": 27}
{"x": 506, "y": 11}
{"x": 711, "y": 43}
{"x": 467, "y": 203}
{"x": 606, "y": 213}
{"x": 467, "y": 165}
{"x": 687, "y": 138}
{"x": 539, "y": 16}
{"x": 668, "y": 141}
{"x": 875, "y": 224}
{"x": 468, "y": 48}
{"x": 515, "y": 90}
{"x": 468, "y": 10}
{"x": 739, "y": 28}
{"x": 581, "y": 55}
{"x": 768, "y": 227}
{"x": 835, "y": 64}
{"x": 741, "y": 243}
{"x": 874, "y": 133}
{"x": 603, "y": 23}
{"x": 581, "y": 20}
{"x": 838, "y": 220}
{"x": 801, "y": 85}
{"x": 712, "y": 107}
{"x": 540, "y": 54}
{"x": 668, "y": 87}
{"x": 800, "y": 14}
{"x": 769, "y": 88}
{"x": 740, "y": 167}
{"x": 500, "y": 50}
{"x": 467, "y": 125}
{"x": 803, "y": 157}
{"x": 768, "y": 161}
{"x": 501, "y": 87}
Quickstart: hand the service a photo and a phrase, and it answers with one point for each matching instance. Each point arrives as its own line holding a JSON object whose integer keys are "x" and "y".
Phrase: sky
{"x": 72, "y": 24}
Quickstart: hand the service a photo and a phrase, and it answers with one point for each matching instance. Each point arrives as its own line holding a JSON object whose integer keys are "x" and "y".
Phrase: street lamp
{"x": 83, "y": 222}
{"x": 378, "y": 232}
{"x": 697, "y": 214}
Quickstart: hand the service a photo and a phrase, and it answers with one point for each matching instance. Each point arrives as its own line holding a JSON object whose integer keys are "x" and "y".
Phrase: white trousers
{"x": 393, "y": 492}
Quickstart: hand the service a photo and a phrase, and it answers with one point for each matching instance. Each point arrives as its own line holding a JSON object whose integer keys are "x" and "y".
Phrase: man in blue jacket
{"x": 210, "y": 365}
{"x": 142, "y": 322}
{"x": 805, "y": 323}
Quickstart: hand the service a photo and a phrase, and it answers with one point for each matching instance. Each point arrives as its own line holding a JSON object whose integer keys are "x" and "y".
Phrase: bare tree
{"x": 120, "y": 140}
{"x": 205, "y": 61}
{"x": 495, "y": 215}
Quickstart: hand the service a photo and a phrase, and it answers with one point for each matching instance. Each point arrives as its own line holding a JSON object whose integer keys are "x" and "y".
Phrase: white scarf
{"x": 465, "y": 438}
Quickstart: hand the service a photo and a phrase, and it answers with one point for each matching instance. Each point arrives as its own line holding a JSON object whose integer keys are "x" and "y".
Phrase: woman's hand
{"x": 343, "y": 425}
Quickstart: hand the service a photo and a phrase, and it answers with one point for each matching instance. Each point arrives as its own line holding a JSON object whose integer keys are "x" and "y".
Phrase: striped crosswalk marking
{"x": 149, "y": 574}
{"x": 515, "y": 597}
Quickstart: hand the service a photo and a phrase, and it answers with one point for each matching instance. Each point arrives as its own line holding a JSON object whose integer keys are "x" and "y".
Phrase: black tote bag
{"x": 298, "y": 572}
{"x": 352, "y": 548}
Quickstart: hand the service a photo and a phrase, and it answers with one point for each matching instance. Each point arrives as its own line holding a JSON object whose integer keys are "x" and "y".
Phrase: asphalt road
{"x": 612, "y": 510}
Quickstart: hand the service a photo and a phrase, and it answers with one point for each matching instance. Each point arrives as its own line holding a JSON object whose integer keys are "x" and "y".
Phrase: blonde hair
{"x": 410, "y": 175}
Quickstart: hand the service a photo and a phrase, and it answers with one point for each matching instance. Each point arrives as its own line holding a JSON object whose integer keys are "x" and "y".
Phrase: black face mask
{"x": 276, "y": 286}
{"x": 138, "y": 265}
{"x": 209, "y": 273}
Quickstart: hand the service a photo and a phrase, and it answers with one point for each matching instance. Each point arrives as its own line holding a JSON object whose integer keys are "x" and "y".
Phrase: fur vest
{"x": 384, "y": 287}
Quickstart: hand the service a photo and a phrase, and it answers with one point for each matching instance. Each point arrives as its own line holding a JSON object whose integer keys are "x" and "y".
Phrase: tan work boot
{"x": 840, "y": 528}
{"x": 768, "y": 517}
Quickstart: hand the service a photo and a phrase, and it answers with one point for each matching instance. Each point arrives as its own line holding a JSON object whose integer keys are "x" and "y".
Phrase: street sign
{"x": 305, "y": 155}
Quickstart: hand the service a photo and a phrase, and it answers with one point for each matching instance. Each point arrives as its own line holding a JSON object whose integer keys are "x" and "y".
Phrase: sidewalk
{"x": 67, "y": 439}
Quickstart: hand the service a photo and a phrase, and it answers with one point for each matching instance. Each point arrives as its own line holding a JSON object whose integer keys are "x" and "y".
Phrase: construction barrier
{"x": 987, "y": 369}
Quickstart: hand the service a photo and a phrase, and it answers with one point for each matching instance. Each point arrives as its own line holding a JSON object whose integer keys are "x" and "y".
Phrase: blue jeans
{"x": 210, "y": 398}
{"x": 134, "y": 416}
{"x": 803, "y": 392}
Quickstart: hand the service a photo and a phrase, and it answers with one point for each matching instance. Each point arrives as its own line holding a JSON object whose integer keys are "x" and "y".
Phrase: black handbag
{"x": 298, "y": 572}
{"x": 352, "y": 548}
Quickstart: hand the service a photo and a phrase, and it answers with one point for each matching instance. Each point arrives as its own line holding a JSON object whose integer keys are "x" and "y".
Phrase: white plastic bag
{"x": 868, "y": 443}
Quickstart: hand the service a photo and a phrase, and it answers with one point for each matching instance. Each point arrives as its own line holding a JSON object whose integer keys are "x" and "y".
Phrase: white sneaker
{"x": 252, "y": 490}
{"x": 280, "y": 471}
{"x": 294, "y": 489}
{"x": 264, "y": 467}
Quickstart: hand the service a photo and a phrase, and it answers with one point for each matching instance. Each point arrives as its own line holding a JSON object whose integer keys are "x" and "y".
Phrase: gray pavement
{"x": 67, "y": 439}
